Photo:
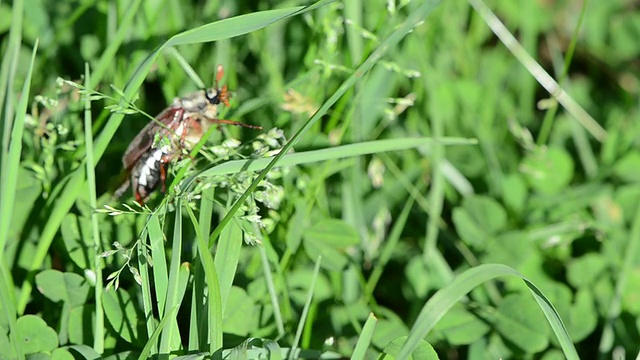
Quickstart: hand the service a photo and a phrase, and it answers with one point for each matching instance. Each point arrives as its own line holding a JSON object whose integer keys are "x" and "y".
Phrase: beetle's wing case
{"x": 169, "y": 118}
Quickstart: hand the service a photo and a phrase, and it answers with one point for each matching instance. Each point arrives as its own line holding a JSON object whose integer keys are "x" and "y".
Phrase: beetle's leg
{"x": 236, "y": 123}
{"x": 139, "y": 198}
{"x": 163, "y": 172}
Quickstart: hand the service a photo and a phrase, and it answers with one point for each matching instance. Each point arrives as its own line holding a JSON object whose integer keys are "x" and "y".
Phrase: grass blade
{"x": 271, "y": 288}
{"x": 305, "y": 310}
{"x": 147, "y": 302}
{"x": 445, "y": 298}
{"x": 227, "y": 258}
{"x": 215, "y": 300}
{"x": 364, "y": 340}
{"x": 7, "y": 75}
{"x": 153, "y": 339}
{"x": 10, "y": 169}
{"x": 172, "y": 299}
{"x": 336, "y": 152}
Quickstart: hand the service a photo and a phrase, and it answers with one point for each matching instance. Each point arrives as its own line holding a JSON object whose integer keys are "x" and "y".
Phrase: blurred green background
{"x": 549, "y": 191}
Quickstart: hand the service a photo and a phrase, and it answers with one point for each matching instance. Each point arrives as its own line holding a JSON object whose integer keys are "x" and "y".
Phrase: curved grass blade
{"x": 336, "y": 152}
{"x": 239, "y": 25}
{"x": 445, "y": 298}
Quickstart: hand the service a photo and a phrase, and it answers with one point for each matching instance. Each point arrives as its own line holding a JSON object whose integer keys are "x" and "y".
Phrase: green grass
{"x": 433, "y": 179}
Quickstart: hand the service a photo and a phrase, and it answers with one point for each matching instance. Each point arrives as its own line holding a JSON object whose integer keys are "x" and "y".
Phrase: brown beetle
{"x": 181, "y": 125}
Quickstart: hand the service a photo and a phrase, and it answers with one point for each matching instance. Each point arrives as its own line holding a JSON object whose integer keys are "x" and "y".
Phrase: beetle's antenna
{"x": 223, "y": 94}
{"x": 219, "y": 74}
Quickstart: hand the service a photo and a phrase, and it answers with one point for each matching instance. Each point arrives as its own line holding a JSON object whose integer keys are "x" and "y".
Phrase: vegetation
{"x": 435, "y": 179}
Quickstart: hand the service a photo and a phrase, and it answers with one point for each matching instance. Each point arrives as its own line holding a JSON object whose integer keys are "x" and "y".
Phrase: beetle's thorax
{"x": 198, "y": 103}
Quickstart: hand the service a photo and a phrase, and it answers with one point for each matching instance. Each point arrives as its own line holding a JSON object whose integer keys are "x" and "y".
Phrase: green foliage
{"x": 433, "y": 179}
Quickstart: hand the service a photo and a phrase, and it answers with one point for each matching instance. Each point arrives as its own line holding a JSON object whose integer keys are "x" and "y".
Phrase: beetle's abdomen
{"x": 149, "y": 172}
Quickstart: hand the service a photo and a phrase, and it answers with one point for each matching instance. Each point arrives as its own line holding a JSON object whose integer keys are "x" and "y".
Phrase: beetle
{"x": 180, "y": 126}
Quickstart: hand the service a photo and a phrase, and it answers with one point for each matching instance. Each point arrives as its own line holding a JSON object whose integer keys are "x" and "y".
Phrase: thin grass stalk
{"x": 305, "y": 310}
{"x": 387, "y": 249}
{"x": 160, "y": 272}
{"x": 549, "y": 116}
{"x": 614, "y": 309}
{"x": 98, "y": 338}
{"x": 436, "y": 192}
{"x": 271, "y": 288}
{"x": 145, "y": 277}
{"x": 581, "y": 115}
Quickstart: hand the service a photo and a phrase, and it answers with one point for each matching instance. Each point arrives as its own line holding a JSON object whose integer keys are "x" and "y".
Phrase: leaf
{"x": 298, "y": 285}
{"x": 34, "y": 335}
{"x": 329, "y": 238}
{"x": 424, "y": 351}
{"x": 518, "y": 320}
{"x": 364, "y": 339}
{"x": 478, "y": 219}
{"x": 297, "y": 225}
{"x": 28, "y": 190}
{"x": 334, "y": 232}
{"x": 514, "y": 192}
{"x": 70, "y": 288}
{"x": 239, "y": 314}
{"x": 6, "y": 349}
{"x": 453, "y": 292}
{"x": 75, "y": 230}
{"x": 512, "y": 248}
{"x": 583, "y": 316}
{"x": 584, "y": 270}
{"x": 78, "y": 326}
{"x": 461, "y": 327}
{"x": 388, "y": 329}
{"x": 627, "y": 167}
{"x": 122, "y": 314}
{"x": 630, "y": 296}
{"x": 61, "y": 354}
{"x": 548, "y": 171}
